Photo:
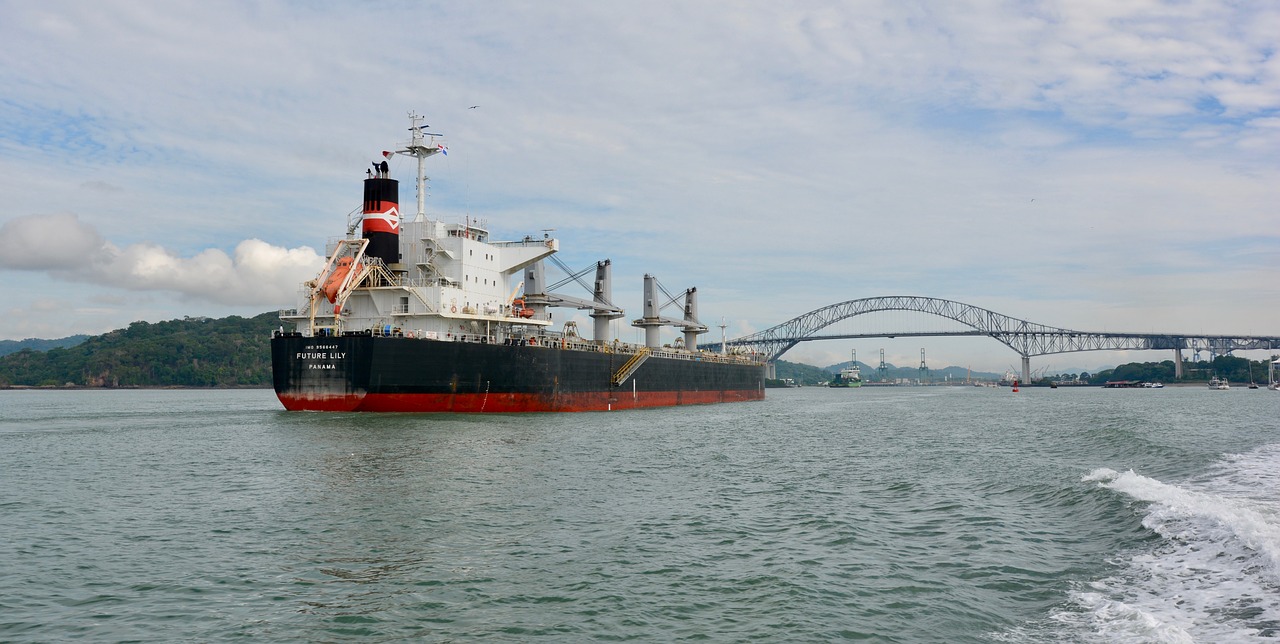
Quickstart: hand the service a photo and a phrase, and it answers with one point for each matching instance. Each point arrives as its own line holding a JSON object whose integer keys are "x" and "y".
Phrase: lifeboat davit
{"x": 336, "y": 276}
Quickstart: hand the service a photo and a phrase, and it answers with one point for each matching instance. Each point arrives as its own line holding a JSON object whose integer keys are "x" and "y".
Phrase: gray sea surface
{"x": 899, "y": 514}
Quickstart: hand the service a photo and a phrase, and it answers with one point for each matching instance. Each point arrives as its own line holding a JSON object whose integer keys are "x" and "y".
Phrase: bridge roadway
{"x": 1026, "y": 338}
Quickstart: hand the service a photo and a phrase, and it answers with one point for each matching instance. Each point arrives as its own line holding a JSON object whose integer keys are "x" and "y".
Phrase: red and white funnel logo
{"x": 382, "y": 222}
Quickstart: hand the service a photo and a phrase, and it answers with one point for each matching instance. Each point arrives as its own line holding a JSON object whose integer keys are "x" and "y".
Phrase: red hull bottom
{"x": 512, "y": 403}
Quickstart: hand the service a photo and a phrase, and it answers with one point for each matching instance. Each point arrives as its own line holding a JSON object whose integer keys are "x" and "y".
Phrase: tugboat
{"x": 423, "y": 315}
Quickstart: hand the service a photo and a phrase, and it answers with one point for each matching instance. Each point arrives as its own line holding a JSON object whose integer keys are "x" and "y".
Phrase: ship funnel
{"x": 381, "y": 222}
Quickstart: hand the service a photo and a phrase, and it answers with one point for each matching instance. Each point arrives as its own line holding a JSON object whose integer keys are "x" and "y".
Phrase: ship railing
{"x": 553, "y": 340}
{"x": 705, "y": 356}
{"x": 560, "y": 341}
{"x": 473, "y": 338}
{"x": 419, "y": 282}
{"x": 528, "y": 240}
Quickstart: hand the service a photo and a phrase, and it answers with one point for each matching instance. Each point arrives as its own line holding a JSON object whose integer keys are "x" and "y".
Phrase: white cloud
{"x": 62, "y": 245}
{"x": 782, "y": 155}
{"x": 49, "y": 242}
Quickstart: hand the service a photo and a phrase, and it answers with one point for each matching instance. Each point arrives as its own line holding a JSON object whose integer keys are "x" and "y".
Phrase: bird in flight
{"x": 473, "y": 107}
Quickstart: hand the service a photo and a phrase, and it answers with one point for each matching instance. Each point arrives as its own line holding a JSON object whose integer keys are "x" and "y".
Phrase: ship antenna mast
{"x": 420, "y": 148}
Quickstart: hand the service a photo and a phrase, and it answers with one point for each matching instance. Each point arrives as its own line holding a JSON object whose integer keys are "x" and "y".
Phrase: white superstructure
{"x": 450, "y": 279}
{"x": 433, "y": 279}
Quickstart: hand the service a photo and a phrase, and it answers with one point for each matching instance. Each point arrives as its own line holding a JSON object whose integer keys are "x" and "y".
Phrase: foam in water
{"x": 1215, "y": 573}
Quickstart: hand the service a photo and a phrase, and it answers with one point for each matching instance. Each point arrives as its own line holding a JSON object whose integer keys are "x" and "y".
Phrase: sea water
{"x": 898, "y": 514}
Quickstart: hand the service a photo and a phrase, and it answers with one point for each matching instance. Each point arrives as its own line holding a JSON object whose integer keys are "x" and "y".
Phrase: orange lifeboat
{"x": 518, "y": 309}
{"x": 334, "y": 281}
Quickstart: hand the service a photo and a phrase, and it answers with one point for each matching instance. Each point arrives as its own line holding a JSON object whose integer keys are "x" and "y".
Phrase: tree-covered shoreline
{"x": 1231, "y": 368}
{"x": 190, "y": 352}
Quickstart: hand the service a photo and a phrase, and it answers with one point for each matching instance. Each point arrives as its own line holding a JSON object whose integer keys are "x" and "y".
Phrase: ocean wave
{"x": 1211, "y": 571}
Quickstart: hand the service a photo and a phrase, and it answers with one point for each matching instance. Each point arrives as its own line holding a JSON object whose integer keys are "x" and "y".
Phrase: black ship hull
{"x": 400, "y": 374}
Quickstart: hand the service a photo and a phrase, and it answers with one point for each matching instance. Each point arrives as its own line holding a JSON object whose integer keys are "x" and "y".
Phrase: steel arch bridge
{"x": 1026, "y": 338}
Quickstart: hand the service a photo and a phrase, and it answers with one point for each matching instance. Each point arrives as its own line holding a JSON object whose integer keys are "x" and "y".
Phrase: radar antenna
{"x": 421, "y": 148}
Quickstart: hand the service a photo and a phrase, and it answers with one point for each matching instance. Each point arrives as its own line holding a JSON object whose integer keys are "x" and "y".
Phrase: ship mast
{"x": 421, "y": 148}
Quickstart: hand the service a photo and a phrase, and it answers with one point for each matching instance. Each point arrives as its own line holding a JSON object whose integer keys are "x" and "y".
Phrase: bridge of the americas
{"x": 1026, "y": 338}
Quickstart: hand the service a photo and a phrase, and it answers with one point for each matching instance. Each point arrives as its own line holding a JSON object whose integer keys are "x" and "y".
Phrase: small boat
{"x": 1272, "y": 383}
{"x": 1218, "y": 383}
{"x": 1123, "y": 384}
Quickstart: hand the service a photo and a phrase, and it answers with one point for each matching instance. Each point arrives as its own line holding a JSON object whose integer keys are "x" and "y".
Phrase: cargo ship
{"x": 416, "y": 314}
{"x": 850, "y": 376}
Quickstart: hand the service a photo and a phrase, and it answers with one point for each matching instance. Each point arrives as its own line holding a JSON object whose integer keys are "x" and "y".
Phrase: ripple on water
{"x": 816, "y": 515}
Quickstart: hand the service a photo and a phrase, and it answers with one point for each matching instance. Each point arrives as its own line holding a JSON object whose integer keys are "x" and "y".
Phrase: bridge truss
{"x": 1026, "y": 338}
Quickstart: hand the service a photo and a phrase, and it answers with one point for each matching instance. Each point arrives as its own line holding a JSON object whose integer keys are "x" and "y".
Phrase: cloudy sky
{"x": 1095, "y": 165}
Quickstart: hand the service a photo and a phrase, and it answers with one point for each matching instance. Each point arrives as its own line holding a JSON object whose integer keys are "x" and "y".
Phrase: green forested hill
{"x": 802, "y": 374}
{"x": 191, "y": 352}
{"x": 14, "y": 346}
